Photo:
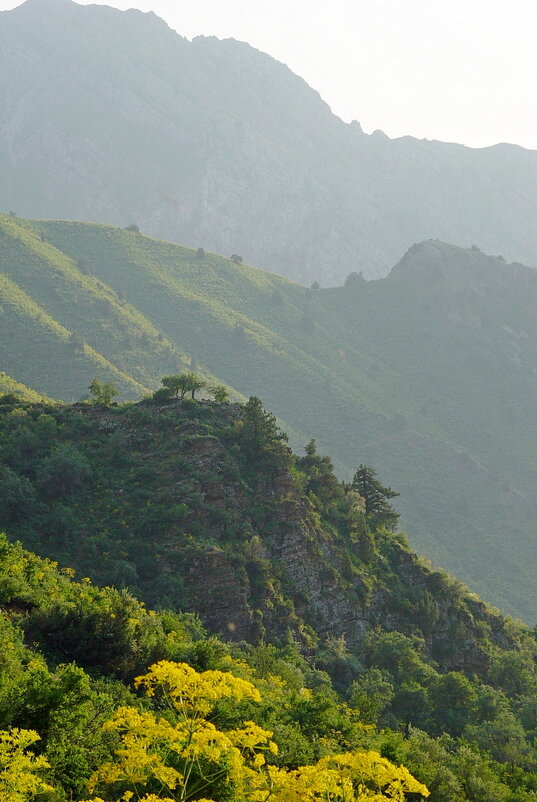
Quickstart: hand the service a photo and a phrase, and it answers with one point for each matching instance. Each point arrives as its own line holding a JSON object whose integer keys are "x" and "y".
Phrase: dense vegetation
{"x": 354, "y": 646}
{"x": 93, "y": 732}
{"x": 429, "y": 374}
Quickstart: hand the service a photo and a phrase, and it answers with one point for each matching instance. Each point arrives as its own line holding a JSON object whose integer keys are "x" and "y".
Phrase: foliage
{"x": 227, "y": 709}
{"x": 354, "y": 279}
{"x": 176, "y": 503}
{"x": 219, "y": 393}
{"x": 103, "y": 392}
{"x": 63, "y": 471}
{"x": 259, "y": 436}
{"x": 378, "y": 510}
{"x": 371, "y": 694}
{"x": 179, "y": 385}
{"x": 162, "y": 394}
{"x": 185, "y": 755}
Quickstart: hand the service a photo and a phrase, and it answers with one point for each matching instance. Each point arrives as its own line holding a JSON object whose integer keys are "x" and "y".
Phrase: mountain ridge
{"x": 230, "y": 504}
{"x": 221, "y": 146}
{"x": 431, "y": 380}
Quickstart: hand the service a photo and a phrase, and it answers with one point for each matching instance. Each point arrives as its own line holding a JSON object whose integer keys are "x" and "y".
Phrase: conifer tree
{"x": 378, "y": 510}
{"x": 259, "y": 435}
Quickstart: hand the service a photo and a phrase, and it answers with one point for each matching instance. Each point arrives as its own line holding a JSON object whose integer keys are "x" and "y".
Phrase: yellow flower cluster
{"x": 351, "y": 777}
{"x": 18, "y": 778}
{"x": 193, "y": 692}
{"x": 188, "y": 754}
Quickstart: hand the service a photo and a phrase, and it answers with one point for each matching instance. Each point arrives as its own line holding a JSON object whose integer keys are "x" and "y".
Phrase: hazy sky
{"x": 457, "y": 70}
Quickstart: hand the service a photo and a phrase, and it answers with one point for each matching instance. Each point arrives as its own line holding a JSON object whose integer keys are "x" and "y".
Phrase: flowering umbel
{"x": 181, "y": 754}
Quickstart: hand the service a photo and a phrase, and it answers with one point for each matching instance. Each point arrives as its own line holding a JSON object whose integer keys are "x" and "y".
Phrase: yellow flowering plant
{"x": 20, "y": 769}
{"x": 183, "y": 755}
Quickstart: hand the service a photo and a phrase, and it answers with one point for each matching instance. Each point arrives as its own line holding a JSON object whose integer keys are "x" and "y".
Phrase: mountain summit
{"x": 112, "y": 116}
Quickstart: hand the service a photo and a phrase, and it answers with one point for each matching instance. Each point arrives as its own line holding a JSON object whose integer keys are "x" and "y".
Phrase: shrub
{"x": 63, "y": 471}
{"x": 162, "y": 394}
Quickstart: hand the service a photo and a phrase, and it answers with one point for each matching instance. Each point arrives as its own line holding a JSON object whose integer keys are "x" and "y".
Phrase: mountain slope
{"x": 9, "y": 386}
{"x": 421, "y": 373}
{"x": 63, "y": 327}
{"x": 466, "y": 732}
{"x": 428, "y": 374}
{"x": 202, "y": 507}
{"x": 111, "y": 116}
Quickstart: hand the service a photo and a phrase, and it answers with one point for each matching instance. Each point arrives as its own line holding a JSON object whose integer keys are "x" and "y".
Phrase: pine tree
{"x": 259, "y": 435}
{"x": 378, "y": 510}
{"x": 319, "y": 471}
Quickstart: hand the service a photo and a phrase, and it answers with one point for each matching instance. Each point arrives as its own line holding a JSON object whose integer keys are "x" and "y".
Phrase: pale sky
{"x": 457, "y": 70}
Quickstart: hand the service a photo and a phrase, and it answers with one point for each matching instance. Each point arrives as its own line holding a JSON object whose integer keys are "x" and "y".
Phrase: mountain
{"x": 199, "y": 506}
{"x": 352, "y": 643}
{"x": 111, "y": 116}
{"x": 428, "y": 374}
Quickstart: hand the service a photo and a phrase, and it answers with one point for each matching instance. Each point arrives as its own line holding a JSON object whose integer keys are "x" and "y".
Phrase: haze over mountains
{"x": 213, "y": 143}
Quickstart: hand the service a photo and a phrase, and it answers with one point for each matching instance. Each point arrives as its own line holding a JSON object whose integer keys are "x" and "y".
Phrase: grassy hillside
{"x": 429, "y": 374}
{"x": 63, "y": 327}
{"x": 9, "y": 386}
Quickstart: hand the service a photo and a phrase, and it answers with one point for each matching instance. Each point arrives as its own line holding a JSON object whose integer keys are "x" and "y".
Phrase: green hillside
{"x": 64, "y": 327}
{"x": 351, "y": 643}
{"x": 9, "y": 386}
{"x": 429, "y": 374}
